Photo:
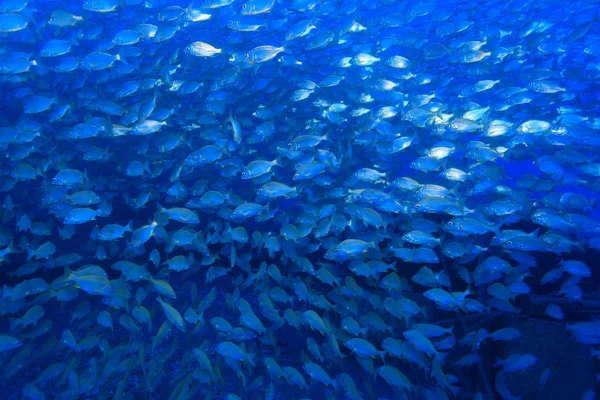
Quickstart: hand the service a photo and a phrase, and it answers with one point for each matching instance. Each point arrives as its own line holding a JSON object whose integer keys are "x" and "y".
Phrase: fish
{"x": 298, "y": 198}
{"x": 8, "y": 343}
{"x": 201, "y": 49}
{"x": 230, "y": 351}
{"x": 172, "y": 314}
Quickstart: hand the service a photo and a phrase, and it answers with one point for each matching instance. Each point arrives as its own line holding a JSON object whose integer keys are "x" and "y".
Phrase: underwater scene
{"x": 299, "y": 199}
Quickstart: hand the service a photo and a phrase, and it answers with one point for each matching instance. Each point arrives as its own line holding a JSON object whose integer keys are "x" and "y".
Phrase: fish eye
{"x": 243, "y": 174}
{"x": 449, "y": 223}
{"x": 54, "y": 180}
{"x": 509, "y": 243}
{"x": 460, "y": 227}
{"x": 246, "y": 55}
{"x": 290, "y": 145}
{"x": 260, "y": 190}
{"x": 412, "y": 164}
{"x": 520, "y": 245}
{"x": 417, "y": 206}
{"x": 245, "y": 6}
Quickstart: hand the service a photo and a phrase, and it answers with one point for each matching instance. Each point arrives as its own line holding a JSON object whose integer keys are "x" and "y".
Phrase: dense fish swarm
{"x": 295, "y": 199}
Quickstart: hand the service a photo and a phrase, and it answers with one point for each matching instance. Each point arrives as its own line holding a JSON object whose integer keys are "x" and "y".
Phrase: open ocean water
{"x": 299, "y": 199}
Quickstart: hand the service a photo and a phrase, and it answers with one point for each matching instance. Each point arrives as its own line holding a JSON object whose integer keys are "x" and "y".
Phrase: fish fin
{"x": 30, "y": 253}
{"x": 535, "y": 233}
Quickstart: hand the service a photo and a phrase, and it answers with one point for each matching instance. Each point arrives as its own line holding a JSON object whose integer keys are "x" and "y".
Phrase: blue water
{"x": 301, "y": 199}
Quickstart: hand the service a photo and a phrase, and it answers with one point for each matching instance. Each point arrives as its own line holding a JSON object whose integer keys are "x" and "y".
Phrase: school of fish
{"x": 294, "y": 199}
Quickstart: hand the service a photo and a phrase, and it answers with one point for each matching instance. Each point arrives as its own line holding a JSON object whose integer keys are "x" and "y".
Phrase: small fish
{"x": 201, "y": 49}
{"x": 230, "y": 351}
{"x": 172, "y": 314}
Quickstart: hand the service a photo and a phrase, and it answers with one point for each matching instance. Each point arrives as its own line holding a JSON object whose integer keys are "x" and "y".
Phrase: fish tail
{"x": 277, "y": 162}
{"x": 251, "y": 357}
{"x": 441, "y": 357}
{"x": 159, "y": 208}
{"x": 30, "y": 253}
{"x": 41, "y": 170}
{"x": 147, "y": 167}
{"x": 336, "y": 385}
